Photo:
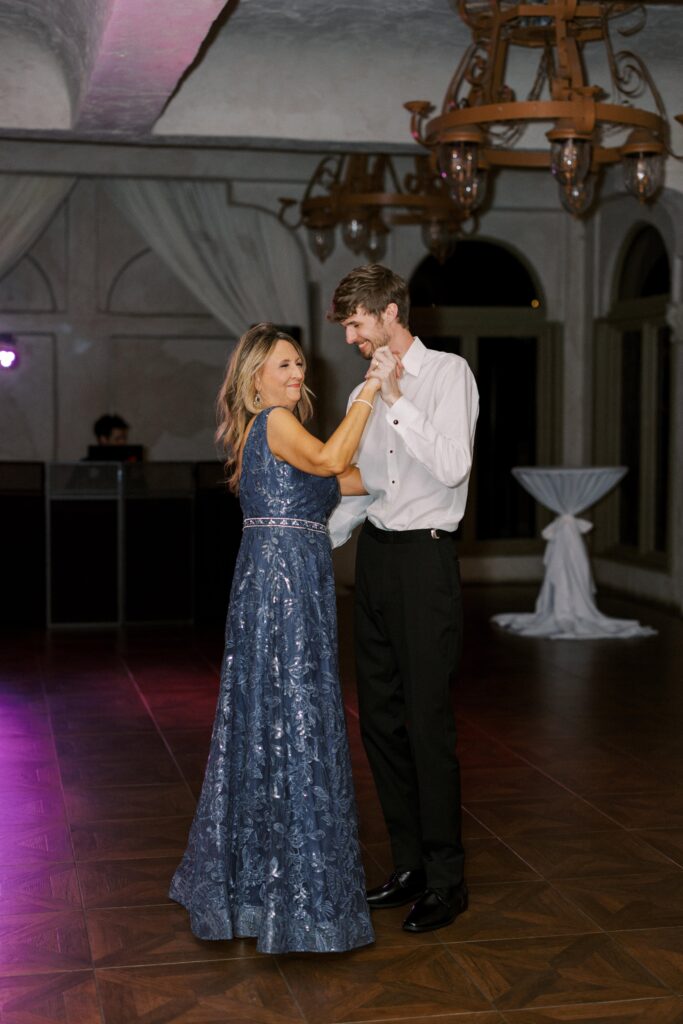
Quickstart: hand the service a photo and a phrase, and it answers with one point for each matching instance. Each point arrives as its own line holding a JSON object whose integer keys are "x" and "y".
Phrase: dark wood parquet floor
{"x": 572, "y": 780}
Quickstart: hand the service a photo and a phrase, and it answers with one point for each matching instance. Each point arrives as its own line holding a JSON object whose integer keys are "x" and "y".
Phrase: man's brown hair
{"x": 372, "y": 288}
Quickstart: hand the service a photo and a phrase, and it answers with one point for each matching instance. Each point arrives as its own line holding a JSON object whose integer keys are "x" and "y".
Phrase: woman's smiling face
{"x": 280, "y": 379}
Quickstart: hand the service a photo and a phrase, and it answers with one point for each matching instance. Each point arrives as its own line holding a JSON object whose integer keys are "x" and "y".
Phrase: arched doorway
{"x": 484, "y": 304}
{"x": 633, "y": 403}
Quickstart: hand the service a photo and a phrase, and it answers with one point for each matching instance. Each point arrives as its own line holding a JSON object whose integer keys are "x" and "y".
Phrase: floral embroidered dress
{"x": 273, "y": 850}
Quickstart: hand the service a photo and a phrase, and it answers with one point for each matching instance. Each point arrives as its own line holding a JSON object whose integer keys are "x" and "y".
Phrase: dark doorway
{"x": 484, "y": 305}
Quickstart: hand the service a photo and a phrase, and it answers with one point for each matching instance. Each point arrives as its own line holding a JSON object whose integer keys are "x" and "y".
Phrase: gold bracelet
{"x": 364, "y": 401}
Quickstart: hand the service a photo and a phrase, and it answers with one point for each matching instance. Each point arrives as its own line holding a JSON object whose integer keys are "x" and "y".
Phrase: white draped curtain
{"x": 27, "y": 204}
{"x": 240, "y": 262}
{"x": 565, "y": 607}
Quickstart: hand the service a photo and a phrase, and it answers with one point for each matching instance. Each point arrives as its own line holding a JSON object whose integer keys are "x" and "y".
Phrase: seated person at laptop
{"x": 111, "y": 432}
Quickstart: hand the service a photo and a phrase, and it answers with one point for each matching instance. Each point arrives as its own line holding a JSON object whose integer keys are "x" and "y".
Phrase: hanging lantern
{"x": 469, "y": 197}
{"x": 643, "y": 163}
{"x": 355, "y": 233}
{"x": 458, "y": 162}
{"x": 577, "y": 199}
{"x": 321, "y": 241}
{"x": 571, "y": 153}
{"x": 439, "y": 238}
{"x": 376, "y": 244}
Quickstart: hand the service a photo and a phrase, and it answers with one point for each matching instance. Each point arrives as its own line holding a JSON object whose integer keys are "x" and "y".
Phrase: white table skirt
{"x": 565, "y": 608}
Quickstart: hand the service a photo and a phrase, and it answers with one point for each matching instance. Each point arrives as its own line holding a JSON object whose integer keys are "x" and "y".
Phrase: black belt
{"x": 405, "y": 536}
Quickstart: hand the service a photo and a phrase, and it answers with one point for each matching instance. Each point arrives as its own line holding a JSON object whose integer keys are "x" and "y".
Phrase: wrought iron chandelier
{"x": 481, "y": 119}
{"x": 363, "y": 195}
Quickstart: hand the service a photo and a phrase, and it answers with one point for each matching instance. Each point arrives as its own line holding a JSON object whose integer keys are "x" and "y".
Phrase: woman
{"x": 273, "y": 850}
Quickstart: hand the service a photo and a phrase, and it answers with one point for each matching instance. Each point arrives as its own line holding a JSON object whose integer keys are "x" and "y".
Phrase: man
{"x": 415, "y": 460}
{"x": 111, "y": 430}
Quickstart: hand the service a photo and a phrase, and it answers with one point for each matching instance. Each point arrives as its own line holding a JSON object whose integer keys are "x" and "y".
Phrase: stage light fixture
{"x": 9, "y": 355}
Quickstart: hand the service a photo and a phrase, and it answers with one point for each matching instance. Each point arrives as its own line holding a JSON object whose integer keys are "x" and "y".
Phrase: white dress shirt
{"x": 415, "y": 456}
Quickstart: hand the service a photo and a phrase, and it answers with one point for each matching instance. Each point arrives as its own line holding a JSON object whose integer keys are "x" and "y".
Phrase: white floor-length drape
{"x": 565, "y": 607}
{"x": 27, "y": 204}
{"x": 240, "y": 262}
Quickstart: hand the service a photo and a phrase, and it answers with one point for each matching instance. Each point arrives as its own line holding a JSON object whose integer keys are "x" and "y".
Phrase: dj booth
{"x": 108, "y": 543}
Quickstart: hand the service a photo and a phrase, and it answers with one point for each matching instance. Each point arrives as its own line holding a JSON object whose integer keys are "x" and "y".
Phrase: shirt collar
{"x": 413, "y": 359}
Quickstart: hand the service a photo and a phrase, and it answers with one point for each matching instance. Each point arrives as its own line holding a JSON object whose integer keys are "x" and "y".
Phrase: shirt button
{"x": 395, "y": 423}
{"x": 393, "y": 481}
{"x": 391, "y": 451}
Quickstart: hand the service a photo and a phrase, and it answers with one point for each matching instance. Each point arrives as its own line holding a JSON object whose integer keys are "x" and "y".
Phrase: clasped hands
{"x": 387, "y": 369}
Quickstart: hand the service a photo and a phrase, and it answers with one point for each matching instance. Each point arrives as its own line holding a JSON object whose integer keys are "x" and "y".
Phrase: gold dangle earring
{"x": 257, "y": 399}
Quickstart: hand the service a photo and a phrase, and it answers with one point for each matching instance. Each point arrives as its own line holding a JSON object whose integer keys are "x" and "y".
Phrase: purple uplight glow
{"x": 9, "y": 359}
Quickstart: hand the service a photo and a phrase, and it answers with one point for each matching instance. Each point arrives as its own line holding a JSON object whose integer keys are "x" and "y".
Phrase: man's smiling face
{"x": 365, "y": 331}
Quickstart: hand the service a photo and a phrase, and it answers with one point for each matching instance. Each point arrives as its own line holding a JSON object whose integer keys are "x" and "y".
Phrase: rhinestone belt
{"x": 284, "y": 521}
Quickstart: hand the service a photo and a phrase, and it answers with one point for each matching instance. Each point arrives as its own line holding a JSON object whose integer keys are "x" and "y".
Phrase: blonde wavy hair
{"x": 237, "y": 402}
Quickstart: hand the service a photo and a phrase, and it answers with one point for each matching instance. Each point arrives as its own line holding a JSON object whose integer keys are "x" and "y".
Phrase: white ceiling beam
{"x": 143, "y": 50}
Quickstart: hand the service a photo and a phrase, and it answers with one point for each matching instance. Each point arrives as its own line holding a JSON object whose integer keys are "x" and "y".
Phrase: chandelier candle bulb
{"x": 570, "y": 160}
{"x": 355, "y": 234}
{"x": 577, "y": 199}
{"x": 643, "y": 165}
{"x": 321, "y": 242}
{"x": 643, "y": 175}
{"x": 439, "y": 239}
{"x": 376, "y": 246}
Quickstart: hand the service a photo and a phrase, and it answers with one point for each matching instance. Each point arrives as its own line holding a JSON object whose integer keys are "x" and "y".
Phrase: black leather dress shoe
{"x": 436, "y": 908}
{"x": 400, "y": 888}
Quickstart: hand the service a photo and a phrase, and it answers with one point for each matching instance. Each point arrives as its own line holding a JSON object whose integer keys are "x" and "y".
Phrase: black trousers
{"x": 408, "y": 629}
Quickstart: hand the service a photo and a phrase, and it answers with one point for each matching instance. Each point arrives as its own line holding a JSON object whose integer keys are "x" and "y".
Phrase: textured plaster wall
{"x": 33, "y": 88}
{"x": 68, "y": 31}
{"x": 305, "y": 89}
{"x": 120, "y": 59}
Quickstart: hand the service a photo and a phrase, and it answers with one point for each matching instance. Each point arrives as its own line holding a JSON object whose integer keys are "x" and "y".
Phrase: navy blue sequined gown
{"x": 273, "y": 850}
